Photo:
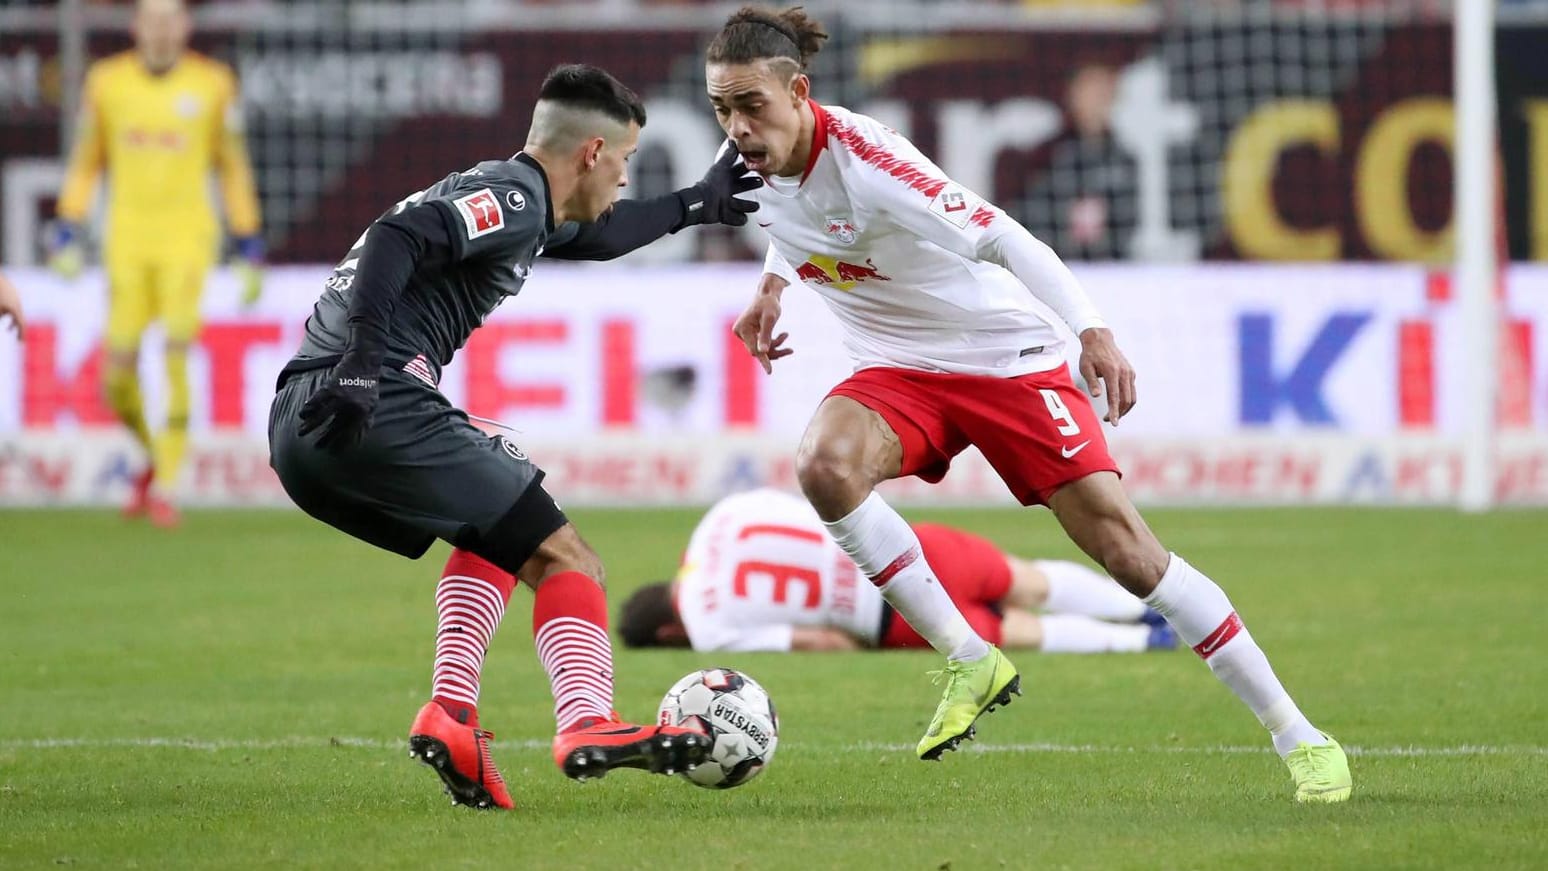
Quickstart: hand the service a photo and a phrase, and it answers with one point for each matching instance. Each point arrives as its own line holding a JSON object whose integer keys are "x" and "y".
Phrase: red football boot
{"x": 594, "y": 747}
{"x": 162, "y": 512}
{"x": 460, "y": 755}
{"x": 140, "y": 493}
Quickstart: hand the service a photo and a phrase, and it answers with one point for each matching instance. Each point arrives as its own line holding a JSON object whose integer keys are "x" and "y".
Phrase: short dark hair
{"x": 582, "y": 86}
{"x": 758, "y": 32}
{"x": 647, "y": 610}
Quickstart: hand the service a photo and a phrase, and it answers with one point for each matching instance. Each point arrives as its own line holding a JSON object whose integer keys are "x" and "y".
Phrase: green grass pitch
{"x": 236, "y": 694}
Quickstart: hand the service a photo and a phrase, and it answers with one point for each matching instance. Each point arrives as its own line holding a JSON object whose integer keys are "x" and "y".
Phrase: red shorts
{"x": 975, "y": 575}
{"x": 1037, "y": 431}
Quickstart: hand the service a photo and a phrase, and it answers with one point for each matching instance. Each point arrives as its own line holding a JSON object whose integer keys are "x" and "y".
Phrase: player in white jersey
{"x": 762, "y": 574}
{"x": 942, "y": 297}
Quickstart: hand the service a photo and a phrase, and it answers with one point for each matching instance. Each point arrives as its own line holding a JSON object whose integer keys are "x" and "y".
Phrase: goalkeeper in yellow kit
{"x": 158, "y": 119}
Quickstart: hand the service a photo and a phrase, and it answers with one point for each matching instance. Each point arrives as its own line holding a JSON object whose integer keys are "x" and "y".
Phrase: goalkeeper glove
{"x": 249, "y": 268}
{"x": 714, "y": 199}
{"x": 341, "y": 410}
{"x": 67, "y": 255}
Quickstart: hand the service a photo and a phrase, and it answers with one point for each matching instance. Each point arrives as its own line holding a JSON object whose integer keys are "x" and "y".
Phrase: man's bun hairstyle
{"x": 756, "y": 33}
{"x": 582, "y": 86}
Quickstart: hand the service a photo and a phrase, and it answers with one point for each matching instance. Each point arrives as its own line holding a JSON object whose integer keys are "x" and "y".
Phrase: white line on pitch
{"x": 302, "y": 741}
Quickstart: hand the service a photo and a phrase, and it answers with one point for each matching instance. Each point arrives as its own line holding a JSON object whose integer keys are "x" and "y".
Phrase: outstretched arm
{"x": 633, "y": 224}
{"x": 628, "y": 225}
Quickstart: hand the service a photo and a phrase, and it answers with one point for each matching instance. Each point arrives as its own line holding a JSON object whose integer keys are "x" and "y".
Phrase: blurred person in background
{"x": 157, "y": 120}
{"x": 761, "y": 574}
{"x": 1084, "y": 206}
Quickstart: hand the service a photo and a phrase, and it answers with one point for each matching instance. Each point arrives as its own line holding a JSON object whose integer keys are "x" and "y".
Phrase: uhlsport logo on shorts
{"x": 510, "y": 449}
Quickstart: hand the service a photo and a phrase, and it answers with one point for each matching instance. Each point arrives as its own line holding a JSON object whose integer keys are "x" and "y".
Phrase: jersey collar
{"x": 548, "y": 216}
{"x": 819, "y": 136}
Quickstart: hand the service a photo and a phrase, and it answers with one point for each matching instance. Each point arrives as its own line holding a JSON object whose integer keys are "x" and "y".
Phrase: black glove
{"x": 714, "y": 199}
{"x": 343, "y": 406}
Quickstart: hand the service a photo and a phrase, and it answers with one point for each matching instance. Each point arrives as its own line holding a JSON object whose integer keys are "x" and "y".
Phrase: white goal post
{"x": 1476, "y": 222}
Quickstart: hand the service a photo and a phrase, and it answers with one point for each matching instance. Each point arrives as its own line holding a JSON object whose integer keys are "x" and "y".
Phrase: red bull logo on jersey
{"x": 841, "y": 229}
{"x": 832, "y": 272}
{"x": 156, "y": 140}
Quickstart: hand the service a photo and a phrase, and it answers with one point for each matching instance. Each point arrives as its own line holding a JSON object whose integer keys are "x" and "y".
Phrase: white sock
{"x": 886, "y": 549}
{"x": 1205, "y": 620}
{"x": 1074, "y": 634}
{"x": 1076, "y": 589}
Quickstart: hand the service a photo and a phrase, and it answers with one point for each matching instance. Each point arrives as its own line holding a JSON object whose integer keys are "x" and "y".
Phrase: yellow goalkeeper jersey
{"x": 159, "y": 137}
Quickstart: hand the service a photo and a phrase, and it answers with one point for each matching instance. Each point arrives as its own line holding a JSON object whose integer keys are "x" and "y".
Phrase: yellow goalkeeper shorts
{"x": 143, "y": 290}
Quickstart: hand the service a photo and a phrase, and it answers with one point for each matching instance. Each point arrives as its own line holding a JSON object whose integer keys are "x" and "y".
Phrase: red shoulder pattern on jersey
{"x": 905, "y": 171}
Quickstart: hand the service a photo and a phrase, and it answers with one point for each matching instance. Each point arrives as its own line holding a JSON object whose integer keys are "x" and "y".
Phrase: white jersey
{"x": 761, "y": 563}
{"x": 918, "y": 269}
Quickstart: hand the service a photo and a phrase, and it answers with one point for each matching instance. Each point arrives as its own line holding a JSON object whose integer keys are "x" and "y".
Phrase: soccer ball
{"x": 736, "y": 713}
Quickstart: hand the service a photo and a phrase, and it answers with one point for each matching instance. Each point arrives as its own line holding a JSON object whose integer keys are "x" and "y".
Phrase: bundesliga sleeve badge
{"x": 954, "y": 205}
{"x": 481, "y": 214}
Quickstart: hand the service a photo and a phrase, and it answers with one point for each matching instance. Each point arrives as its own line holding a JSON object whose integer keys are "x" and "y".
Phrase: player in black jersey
{"x": 362, "y": 439}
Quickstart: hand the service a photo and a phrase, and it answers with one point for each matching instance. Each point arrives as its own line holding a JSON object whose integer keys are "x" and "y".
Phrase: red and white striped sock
{"x": 470, "y": 600}
{"x": 569, "y": 625}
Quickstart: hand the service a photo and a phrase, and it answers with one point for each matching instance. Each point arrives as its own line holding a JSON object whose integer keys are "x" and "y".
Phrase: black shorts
{"x": 421, "y": 472}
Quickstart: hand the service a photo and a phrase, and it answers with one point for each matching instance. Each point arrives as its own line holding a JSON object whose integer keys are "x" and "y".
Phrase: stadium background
{"x": 1269, "y": 227}
{"x": 1259, "y": 194}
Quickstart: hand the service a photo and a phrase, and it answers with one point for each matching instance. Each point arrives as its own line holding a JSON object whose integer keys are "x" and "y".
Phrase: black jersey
{"x": 497, "y": 217}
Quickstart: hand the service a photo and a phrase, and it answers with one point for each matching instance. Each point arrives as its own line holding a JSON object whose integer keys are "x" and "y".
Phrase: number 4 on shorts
{"x": 1060, "y": 413}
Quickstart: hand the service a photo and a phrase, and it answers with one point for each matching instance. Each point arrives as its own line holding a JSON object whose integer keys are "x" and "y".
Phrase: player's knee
{"x": 118, "y": 382}
{"x": 589, "y": 564}
{"x": 119, "y": 364}
{"x": 1135, "y": 561}
{"x": 175, "y": 354}
{"x": 563, "y": 552}
{"x": 831, "y": 470}
{"x": 577, "y": 556}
